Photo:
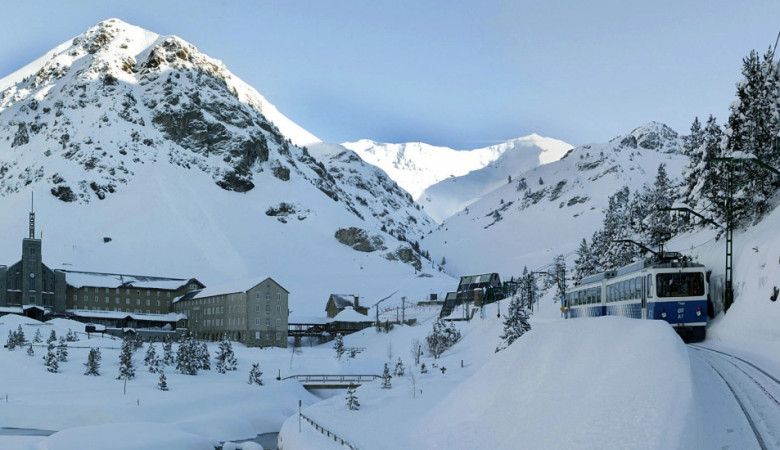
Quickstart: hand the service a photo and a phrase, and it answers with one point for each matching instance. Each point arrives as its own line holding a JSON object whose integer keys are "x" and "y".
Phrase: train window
{"x": 681, "y": 284}
{"x": 649, "y": 286}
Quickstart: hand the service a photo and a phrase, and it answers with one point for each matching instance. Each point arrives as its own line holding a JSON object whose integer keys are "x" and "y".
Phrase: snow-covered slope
{"x": 549, "y": 209}
{"x": 415, "y": 166}
{"x": 126, "y": 134}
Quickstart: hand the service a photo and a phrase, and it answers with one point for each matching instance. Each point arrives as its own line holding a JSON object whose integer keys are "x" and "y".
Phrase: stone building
{"x": 337, "y": 303}
{"x": 251, "y": 312}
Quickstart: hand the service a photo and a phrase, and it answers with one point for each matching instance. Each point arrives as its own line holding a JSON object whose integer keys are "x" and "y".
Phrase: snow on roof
{"x": 233, "y": 287}
{"x": 170, "y": 317}
{"x": 116, "y": 280}
{"x": 350, "y": 315}
{"x": 10, "y": 309}
{"x": 343, "y": 300}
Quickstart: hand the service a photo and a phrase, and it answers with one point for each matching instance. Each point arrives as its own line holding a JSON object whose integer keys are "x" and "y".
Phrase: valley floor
{"x": 585, "y": 383}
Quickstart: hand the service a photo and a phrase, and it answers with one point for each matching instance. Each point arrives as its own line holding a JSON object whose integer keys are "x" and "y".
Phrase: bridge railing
{"x": 363, "y": 378}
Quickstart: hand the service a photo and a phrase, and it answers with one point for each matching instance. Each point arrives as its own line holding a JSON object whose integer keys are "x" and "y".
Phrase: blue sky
{"x": 463, "y": 74}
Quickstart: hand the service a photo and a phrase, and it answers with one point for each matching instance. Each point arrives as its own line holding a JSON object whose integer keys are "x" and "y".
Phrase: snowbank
{"x": 585, "y": 383}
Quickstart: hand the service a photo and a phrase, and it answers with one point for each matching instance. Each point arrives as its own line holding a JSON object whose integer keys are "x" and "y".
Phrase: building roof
{"x": 79, "y": 279}
{"x": 95, "y": 314}
{"x": 233, "y": 287}
{"x": 342, "y": 300}
{"x": 350, "y": 315}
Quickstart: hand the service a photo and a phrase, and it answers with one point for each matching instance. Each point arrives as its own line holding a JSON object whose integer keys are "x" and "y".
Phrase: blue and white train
{"x": 668, "y": 288}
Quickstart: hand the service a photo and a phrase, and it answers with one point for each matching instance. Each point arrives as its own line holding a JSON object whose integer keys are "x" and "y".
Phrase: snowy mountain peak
{"x": 415, "y": 166}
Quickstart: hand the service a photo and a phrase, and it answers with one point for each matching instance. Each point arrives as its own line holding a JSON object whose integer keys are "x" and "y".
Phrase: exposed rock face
{"x": 360, "y": 240}
{"x": 407, "y": 255}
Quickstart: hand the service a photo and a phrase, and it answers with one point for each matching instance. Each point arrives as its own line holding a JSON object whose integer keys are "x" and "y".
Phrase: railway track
{"x": 755, "y": 390}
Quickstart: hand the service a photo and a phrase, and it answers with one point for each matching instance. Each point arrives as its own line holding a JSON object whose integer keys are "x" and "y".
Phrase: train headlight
{"x": 698, "y": 311}
{"x": 663, "y": 315}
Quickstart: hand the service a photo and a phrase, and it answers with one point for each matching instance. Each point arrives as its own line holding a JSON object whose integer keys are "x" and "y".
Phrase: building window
{"x": 138, "y": 302}
{"x": 148, "y": 293}
{"x": 148, "y": 302}
{"x": 127, "y": 301}
{"x": 278, "y": 336}
{"x": 257, "y": 335}
{"x": 257, "y": 308}
{"x": 117, "y": 300}
{"x": 107, "y": 300}
{"x": 279, "y": 308}
{"x": 158, "y": 302}
{"x": 86, "y": 298}
{"x": 278, "y": 323}
{"x": 75, "y": 297}
{"x": 32, "y": 282}
{"x": 268, "y": 323}
{"x": 96, "y": 299}
{"x": 268, "y": 309}
{"x": 278, "y": 295}
{"x": 268, "y": 296}
{"x": 257, "y": 321}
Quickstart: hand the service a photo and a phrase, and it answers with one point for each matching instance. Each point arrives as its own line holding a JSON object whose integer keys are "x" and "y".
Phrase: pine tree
{"x": 226, "y": 359}
{"x": 585, "y": 263}
{"x": 10, "y": 343}
{"x": 162, "y": 384}
{"x": 386, "y": 378}
{"x": 62, "y": 350}
{"x": 52, "y": 337}
{"x": 19, "y": 335}
{"x": 338, "y": 345}
{"x": 93, "y": 362}
{"x": 204, "y": 357}
{"x": 126, "y": 367}
{"x": 30, "y": 351}
{"x": 515, "y": 323}
{"x": 186, "y": 357}
{"x": 693, "y": 141}
{"x": 352, "y": 400}
{"x": 168, "y": 358}
{"x": 38, "y": 338}
{"x": 399, "y": 368}
{"x": 255, "y": 375}
{"x": 71, "y": 336}
{"x": 150, "y": 358}
{"x": 753, "y": 127}
{"x": 50, "y": 359}
{"x": 423, "y": 369}
{"x": 659, "y": 199}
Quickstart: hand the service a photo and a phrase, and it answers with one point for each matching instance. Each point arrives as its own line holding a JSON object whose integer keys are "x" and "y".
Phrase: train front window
{"x": 689, "y": 284}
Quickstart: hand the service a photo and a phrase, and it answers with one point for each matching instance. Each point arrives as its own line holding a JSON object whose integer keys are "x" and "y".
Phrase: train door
{"x": 643, "y": 296}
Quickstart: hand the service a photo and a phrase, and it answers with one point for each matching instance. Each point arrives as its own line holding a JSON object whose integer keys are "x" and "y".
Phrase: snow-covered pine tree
{"x": 753, "y": 127}
{"x": 660, "y": 198}
{"x": 52, "y": 337}
{"x": 126, "y": 367}
{"x": 423, "y": 369}
{"x": 168, "y": 358}
{"x": 435, "y": 340}
{"x": 20, "y": 337}
{"x": 162, "y": 384}
{"x": 38, "y": 338}
{"x": 93, "y": 362}
{"x": 585, "y": 262}
{"x": 558, "y": 270}
{"x": 352, "y": 401}
{"x": 386, "y": 378}
{"x": 30, "y": 351}
{"x": 515, "y": 323}
{"x": 338, "y": 345}
{"x": 10, "y": 343}
{"x": 204, "y": 357}
{"x": 255, "y": 375}
{"x": 226, "y": 359}
{"x": 50, "y": 359}
{"x": 186, "y": 357}
{"x": 150, "y": 357}
{"x": 399, "y": 368}
{"x": 71, "y": 336}
{"x": 62, "y": 350}
{"x": 694, "y": 140}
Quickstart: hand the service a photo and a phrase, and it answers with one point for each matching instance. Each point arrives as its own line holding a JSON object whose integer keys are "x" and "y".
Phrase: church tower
{"x": 31, "y": 279}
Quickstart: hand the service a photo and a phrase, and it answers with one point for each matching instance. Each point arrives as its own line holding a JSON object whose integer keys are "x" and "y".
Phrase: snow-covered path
{"x": 738, "y": 402}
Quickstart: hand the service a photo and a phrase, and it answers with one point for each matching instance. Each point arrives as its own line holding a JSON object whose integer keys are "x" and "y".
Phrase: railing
{"x": 333, "y": 378}
{"x": 328, "y": 433}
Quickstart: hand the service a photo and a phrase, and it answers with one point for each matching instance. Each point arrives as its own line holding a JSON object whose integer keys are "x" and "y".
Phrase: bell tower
{"x": 32, "y": 266}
